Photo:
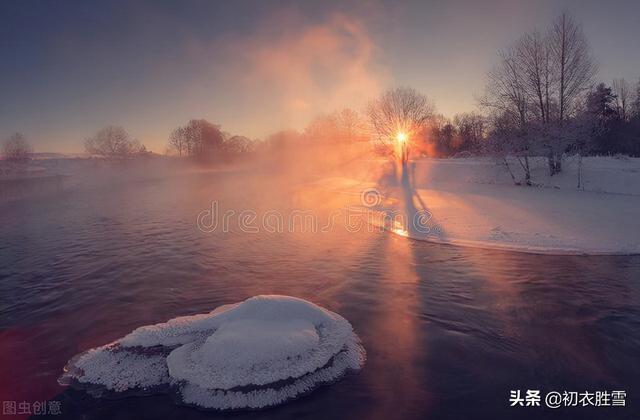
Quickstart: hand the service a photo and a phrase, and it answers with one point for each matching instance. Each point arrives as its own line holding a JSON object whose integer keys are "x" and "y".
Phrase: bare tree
{"x": 198, "y": 139}
{"x": 237, "y": 145}
{"x": 323, "y": 128}
{"x": 505, "y": 91}
{"x": 178, "y": 140}
{"x": 351, "y": 125}
{"x": 574, "y": 66}
{"x": 574, "y": 71}
{"x": 540, "y": 82}
{"x": 113, "y": 141}
{"x": 397, "y": 115}
{"x": 511, "y": 86}
{"x": 340, "y": 128}
{"x": 636, "y": 102}
{"x": 622, "y": 92}
{"x": 193, "y": 131}
{"x": 204, "y": 139}
{"x": 16, "y": 148}
{"x": 503, "y": 141}
{"x": 470, "y": 129}
{"x": 534, "y": 55}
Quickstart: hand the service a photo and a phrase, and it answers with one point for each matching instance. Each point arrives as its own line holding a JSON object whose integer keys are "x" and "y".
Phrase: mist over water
{"x": 448, "y": 331}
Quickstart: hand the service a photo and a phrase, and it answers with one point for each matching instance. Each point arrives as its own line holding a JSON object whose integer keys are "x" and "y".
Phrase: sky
{"x": 69, "y": 68}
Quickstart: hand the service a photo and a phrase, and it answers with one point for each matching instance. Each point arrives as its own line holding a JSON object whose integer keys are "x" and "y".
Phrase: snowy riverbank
{"x": 469, "y": 202}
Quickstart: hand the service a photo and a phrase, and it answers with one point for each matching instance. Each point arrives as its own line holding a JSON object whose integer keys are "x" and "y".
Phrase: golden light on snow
{"x": 399, "y": 229}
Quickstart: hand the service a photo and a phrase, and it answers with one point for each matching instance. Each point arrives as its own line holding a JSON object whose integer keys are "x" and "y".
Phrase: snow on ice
{"x": 257, "y": 353}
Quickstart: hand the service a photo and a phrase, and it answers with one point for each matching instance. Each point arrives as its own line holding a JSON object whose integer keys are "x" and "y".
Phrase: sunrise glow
{"x": 331, "y": 209}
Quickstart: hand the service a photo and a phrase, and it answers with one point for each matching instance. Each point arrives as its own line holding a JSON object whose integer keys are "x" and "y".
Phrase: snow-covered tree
{"x": 539, "y": 83}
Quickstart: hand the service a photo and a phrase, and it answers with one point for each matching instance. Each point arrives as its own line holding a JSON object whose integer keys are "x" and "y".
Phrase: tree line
{"x": 541, "y": 99}
{"x": 204, "y": 141}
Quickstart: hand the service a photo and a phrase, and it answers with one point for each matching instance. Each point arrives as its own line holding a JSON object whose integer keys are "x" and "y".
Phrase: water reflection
{"x": 396, "y": 384}
{"x": 448, "y": 331}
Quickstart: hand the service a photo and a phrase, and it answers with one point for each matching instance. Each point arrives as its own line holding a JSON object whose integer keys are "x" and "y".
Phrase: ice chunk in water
{"x": 257, "y": 353}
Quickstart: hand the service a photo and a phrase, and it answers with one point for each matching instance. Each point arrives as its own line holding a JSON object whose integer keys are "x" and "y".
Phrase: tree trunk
{"x": 563, "y": 51}
{"x": 527, "y": 172}
{"x": 555, "y": 163}
{"x": 525, "y": 168}
{"x": 506, "y": 164}
{"x": 579, "y": 171}
{"x": 558, "y": 163}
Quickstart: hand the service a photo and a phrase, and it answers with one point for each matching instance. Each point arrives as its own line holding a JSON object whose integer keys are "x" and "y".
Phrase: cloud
{"x": 295, "y": 69}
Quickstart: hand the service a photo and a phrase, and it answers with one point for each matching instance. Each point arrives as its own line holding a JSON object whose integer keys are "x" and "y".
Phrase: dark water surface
{"x": 448, "y": 331}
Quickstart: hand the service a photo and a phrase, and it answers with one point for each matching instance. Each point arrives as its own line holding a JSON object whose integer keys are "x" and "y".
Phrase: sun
{"x": 401, "y": 137}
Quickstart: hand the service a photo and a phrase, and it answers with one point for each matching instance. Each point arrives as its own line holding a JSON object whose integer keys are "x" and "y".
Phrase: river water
{"x": 449, "y": 331}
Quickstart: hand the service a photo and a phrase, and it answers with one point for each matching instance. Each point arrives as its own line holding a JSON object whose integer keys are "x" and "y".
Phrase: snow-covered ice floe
{"x": 253, "y": 354}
